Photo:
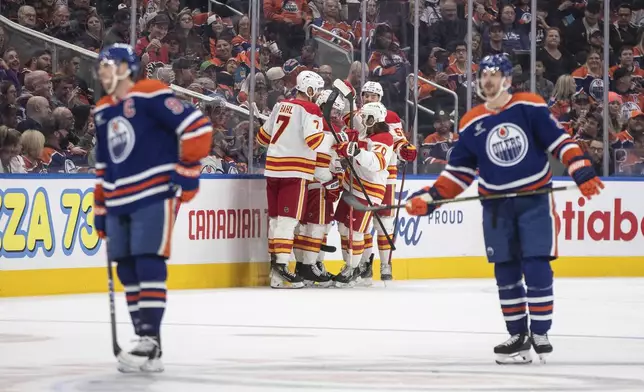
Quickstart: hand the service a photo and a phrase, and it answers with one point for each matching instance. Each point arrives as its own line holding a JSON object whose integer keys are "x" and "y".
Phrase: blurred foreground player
{"x": 506, "y": 139}
{"x": 293, "y": 134}
{"x": 148, "y": 149}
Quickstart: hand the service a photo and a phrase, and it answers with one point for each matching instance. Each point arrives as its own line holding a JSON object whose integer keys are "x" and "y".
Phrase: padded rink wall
{"x": 47, "y": 244}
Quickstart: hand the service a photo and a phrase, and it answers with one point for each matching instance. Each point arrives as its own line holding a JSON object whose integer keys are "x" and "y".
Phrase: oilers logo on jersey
{"x": 596, "y": 89}
{"x": 507, "y": 145}
{"x": 120, "y": 139}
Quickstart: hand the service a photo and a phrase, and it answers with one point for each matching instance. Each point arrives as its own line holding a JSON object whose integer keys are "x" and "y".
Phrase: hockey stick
{"x": 353, "y": 201}
{"x": 327, "y": 116}
{"x": 116, "y": 349}
{"x": 328, "y": 248}
{"x": 400, "y": 192}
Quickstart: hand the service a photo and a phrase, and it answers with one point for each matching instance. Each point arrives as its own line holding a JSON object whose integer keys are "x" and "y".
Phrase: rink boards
{"x": 47, "y": 245}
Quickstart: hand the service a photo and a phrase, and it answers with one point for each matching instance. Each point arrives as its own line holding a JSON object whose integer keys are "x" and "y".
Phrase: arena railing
{"x": 30, "y": 40}
{"x": 233, "y": 10}
{"x": 340, "y": 68}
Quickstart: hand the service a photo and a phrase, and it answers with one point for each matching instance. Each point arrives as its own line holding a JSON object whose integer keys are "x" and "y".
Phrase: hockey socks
{"x": 538, "y": 278}
{"x": 152, "y": 273}
{"x": 126, "y": 272}
{"x": 512, "y": 296}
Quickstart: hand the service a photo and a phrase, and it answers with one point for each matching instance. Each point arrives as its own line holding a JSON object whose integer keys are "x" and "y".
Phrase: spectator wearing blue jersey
{"x": 515, "y": 37}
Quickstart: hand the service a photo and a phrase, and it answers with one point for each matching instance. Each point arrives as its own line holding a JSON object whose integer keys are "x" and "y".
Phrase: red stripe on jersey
{"x": 127, "y": 190}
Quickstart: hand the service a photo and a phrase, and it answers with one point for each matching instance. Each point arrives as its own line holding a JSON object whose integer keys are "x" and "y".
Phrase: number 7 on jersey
{"x": 282, "y": 123}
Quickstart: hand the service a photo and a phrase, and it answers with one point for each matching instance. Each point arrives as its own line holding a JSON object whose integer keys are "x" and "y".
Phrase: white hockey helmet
{"x": 373, "y": 88}
{"x": 338, "y": 104}
{"x": 309, "y": 83}
{"x": 372, "y": 113}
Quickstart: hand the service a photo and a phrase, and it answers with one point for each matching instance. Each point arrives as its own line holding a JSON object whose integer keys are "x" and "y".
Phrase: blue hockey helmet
{"x": 500, "y": 63}
{"x": 113, "y": 56}
{"x": 120, "y": 53}
{"x": 496, "y": 62}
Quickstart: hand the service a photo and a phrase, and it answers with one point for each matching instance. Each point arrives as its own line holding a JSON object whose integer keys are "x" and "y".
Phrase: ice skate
{"x": 385, "y": 270}
{"x": 312, "y": 275}
{"x": 364, "y": 273}
{"x": 322, "y": 268}
{"x": 541, "y": 346}
{"x": 345, "y": 278}
{"x": 145, "y": 356}
{"x": 515, "y": 350}
{"x": 283, "y": 278}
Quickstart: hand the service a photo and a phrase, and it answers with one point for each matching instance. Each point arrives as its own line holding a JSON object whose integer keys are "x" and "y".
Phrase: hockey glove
{"x": 418, "y": 202}
{"x": 347, "y": 149}
{"x": 581, "y": 170}
{"x": 99, "y": 221}
{"x": 186, "y": 178}
{"x": 408, "y": 152}
{"x": 332, "y": 189}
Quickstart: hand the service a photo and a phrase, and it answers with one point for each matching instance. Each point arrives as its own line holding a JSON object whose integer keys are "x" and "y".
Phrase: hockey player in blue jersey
{"x": 507, "y": 140}
{"x": 149, "y": 145}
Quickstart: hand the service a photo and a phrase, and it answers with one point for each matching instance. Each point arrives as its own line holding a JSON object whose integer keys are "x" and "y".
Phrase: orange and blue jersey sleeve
{"x": 462, "y": 165}
{"x": 193, "y": 129}
{"x": 549, "y": 132}
{"x": 460, "y": 171}
{"x": 100, "y": 166}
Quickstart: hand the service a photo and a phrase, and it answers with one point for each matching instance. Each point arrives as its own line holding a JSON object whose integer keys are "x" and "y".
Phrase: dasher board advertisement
{"x": 48, "y": 244}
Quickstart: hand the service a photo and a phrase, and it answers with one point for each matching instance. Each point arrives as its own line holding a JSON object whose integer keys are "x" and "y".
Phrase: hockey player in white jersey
{"x": 372, "y": 92}
{"x": 322, "y": 193}
{"x": 371, "y": 154}
{"x": 293, "y": 134}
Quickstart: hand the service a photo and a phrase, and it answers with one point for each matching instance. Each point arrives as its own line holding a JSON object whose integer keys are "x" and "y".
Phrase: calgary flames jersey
{"x": 396, "y": 131}
{"x": 371, "y": 166}
{"x": 293, "y": 134}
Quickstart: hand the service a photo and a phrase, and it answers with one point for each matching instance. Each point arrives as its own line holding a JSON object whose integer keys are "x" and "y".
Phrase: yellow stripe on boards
{"x": 224, "y": 275}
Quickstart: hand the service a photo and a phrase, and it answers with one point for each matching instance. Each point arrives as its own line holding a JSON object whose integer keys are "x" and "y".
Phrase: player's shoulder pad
{"x": 152, "y": 87}
{"x": 530, "y": 99}
{"x": 476, "y": 113}
{"x": 392, "y": 117}
{"x": 103, "y": 103}
{"x": 310, "y": 107}
{"x": 383, "y": 138}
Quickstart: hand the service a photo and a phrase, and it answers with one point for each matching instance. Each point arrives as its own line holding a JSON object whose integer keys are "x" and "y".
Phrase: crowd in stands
{"x": 47, "y": 92}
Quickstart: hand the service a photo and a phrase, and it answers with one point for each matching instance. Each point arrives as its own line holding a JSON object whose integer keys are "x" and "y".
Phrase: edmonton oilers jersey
{"x": 140, "y": 140}
{"x": 509, "y": 148}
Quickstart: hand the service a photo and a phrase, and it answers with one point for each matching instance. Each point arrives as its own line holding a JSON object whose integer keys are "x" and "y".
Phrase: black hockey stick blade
{"x": 352, "y": 201}
{"x": 110, "y": 287}
{"x": 328, "y": 248}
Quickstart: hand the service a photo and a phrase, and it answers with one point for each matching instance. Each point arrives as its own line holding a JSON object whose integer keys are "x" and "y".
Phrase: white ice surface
{"x": 411, "y": 336}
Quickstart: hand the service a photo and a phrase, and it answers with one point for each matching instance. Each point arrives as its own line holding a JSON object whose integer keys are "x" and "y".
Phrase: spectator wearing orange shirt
{"x": 627, "y": 61}
{"x": 373, "y": 10}
{"x": 457, "y": 71}
{"x": 386, "y": 58}
{"x": 285, "y": 23}
{"x": 331, "y": 22}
